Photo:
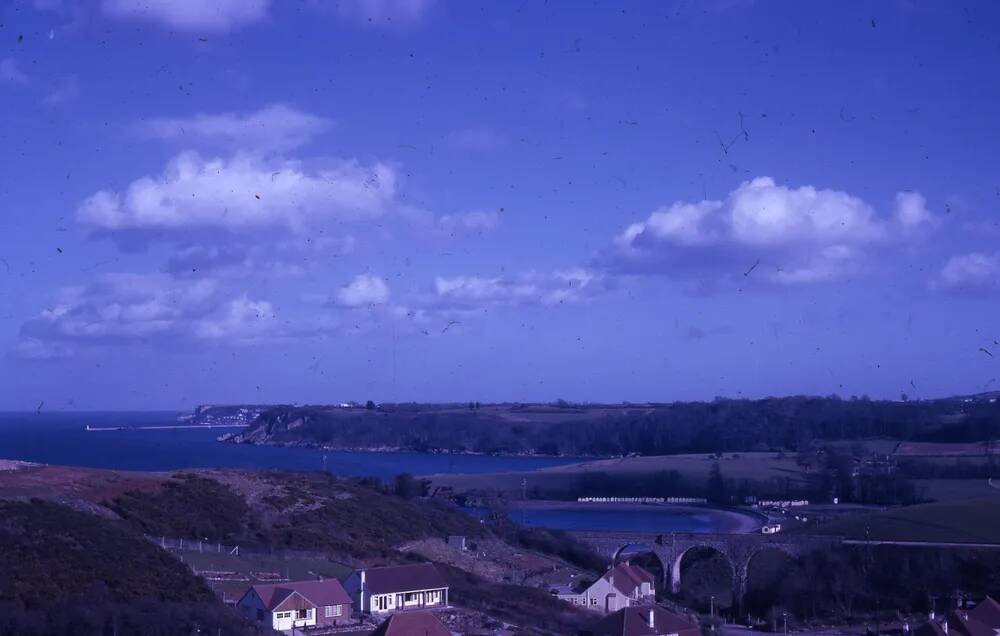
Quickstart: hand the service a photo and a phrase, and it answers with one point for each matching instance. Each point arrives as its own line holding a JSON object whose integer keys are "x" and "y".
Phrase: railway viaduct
{"x": 739, "y": 550}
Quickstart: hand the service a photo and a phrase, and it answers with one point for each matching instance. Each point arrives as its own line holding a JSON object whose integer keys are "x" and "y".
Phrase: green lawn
{"x": 965, "y": 521}
{"x": 692, "y": 467}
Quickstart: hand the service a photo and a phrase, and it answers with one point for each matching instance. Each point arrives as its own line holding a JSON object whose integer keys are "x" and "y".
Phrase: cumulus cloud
{"x": 911, "y": 212}
{"x": 970, "y": 272}
{"x": 242, "y": 194}
{"x": 801, "y": 235}
{"x": 570, "y": 286}
{"x": 274, "y": 127}
{"x": 11, "y": 72}
{"x": 119, "y": 309}
{"x": 189, "y": 15}
{"x": 364, "y": 290}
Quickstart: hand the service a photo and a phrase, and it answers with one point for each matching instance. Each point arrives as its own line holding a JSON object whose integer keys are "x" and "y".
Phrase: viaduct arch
{"x": 738, "y": 549}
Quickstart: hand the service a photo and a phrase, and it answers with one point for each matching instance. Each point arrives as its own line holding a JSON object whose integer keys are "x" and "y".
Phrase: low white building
{"x": 622, "y": 586}
{"x": 297, "y": 604}
{"x": 399, "y": 587}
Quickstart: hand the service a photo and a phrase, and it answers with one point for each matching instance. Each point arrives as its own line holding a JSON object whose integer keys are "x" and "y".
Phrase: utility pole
{"x": 711, "y": 607}
{"x": 784, "y": 617}
{"x": 524, "y": 499}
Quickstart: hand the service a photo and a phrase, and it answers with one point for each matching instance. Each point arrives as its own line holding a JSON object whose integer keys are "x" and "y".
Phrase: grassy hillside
{"x": 965, "y": 521}
{"x": 302, "y": 511}
{"x": 64, "y": 571}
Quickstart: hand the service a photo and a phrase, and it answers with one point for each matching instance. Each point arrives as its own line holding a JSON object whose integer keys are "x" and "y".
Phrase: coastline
{"x": 728, "y": 520}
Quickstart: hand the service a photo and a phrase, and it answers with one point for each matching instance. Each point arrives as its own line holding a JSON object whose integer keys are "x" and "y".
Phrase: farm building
{"x": 624, "y": 585}
{"x": 297, "y": 604}
{"x": 399, "y": 587}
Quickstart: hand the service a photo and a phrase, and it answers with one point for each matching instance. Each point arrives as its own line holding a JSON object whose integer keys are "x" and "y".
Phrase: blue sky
{"x": 305, "y": 201}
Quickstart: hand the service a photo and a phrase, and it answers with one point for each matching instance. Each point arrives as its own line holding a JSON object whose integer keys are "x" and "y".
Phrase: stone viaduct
{"x": 669, "y": 548}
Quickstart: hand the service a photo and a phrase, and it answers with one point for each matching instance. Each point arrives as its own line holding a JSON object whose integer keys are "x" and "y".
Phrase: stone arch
{"x": 675, "y": 566}
{"x": 645, "y": 547}
{"x": 743, "y": 585}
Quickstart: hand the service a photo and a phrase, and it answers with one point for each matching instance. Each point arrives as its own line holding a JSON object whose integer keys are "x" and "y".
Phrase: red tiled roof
{"x": 403, "y": 578}
{"x": 412, "y": 624}
{"x": 963, "y": 623}
{"x": 634, "y": 621}
{"x": 626, "y": 578}
{"x": 987, "y": 613}
{"x": 319, "y": 593}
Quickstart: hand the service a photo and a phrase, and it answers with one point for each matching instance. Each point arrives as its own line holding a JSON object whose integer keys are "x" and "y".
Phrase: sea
{"x": 61, "y": 438}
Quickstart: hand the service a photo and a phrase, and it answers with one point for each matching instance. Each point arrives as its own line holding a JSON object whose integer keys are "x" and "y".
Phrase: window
{"x": 303, "y": 614}
{"x": 283, "y": 614}
{"x": 593, "y": 601}
{"x": 260, "y": 614}
{"x": 333, "y": 610}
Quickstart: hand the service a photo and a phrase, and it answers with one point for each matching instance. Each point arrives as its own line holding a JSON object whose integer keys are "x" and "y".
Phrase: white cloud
{"x": 570, "y": 286}
{"x": 28, "y": 348}
{"x": 242, "y": 194}
{"x": 240, "y": 320}
{"x": 805, "y": 234}
{"x": 157, "y": 309}
{"x": 911, "y": 213}
{"x": 474, "y": 222}
{"x": 190, "y": 15}
{"x": 364, "y": 290}
{"x": 11, "y": 72}
{"x": 970, "y": 272}
{"x": 274, "y": 127}
{"x": 449, "y": 225}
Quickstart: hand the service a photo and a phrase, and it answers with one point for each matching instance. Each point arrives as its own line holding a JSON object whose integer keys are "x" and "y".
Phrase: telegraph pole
{"x": 524, "y": 499}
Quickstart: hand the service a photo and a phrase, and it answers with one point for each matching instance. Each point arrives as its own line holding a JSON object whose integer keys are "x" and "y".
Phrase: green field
{"x": 955, "y": 489}
{"x": 694, "y": 468}
{"x": 966, "y": 521}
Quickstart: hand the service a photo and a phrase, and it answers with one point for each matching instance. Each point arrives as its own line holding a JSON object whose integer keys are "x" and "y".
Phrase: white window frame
{"x": 333, "y": 611}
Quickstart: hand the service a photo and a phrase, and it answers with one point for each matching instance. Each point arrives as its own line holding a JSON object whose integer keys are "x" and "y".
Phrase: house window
{"x": 333, "y": 611}
{"x": 382, "y": 603}
{"x": 593, "y": 601}
{"x": 303, "y": 614}
{"x": 283, "y": 614}
{"x": 433, "y": 598}
{"x": 260, "y": 614}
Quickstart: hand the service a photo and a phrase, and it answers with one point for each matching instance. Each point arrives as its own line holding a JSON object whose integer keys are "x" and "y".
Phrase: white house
{"x": 622, "y": 586}
{"x": 297, "y": 604}
{"x": 399, "y": 587}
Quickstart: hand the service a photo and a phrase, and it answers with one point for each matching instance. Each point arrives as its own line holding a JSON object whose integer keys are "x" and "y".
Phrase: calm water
{"x": 60, "y": 438}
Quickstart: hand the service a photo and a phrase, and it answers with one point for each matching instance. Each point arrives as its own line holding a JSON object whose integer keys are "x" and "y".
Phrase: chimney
{"x": 652, "y": 619}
